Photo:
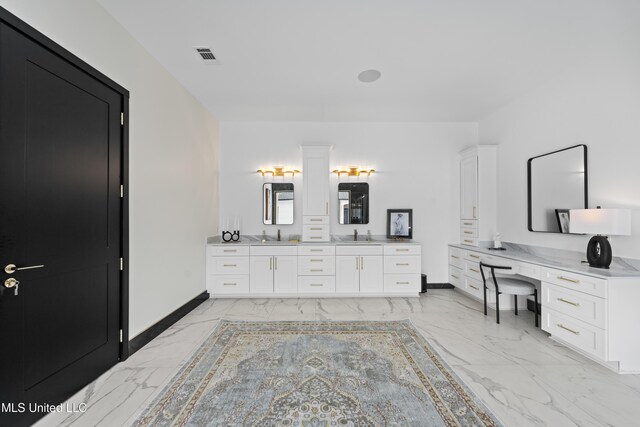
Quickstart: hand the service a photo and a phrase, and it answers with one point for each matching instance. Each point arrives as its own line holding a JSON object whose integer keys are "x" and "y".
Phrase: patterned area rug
{"x": 316, "y": 374}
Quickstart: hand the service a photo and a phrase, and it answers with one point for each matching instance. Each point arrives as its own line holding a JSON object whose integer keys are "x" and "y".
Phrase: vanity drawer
{"x": 456, "y": 277}
{"x": 228, "y": 265}
{"x": 578, "y": 305}
{"x": 402, "y": 264}
{"x": 315, "y": 220}
{"x": 228, "y": 284}
{"x": 228, "y": 250}
{"x": 316, "y": 250}
{"x": 359, "y": 250}
{"x": 317, "y": 233}
{"x": 402, "y": 283}
{"x": 274, "y": 250}
{"x": 472, "y": 269}
{"x": 456, "y": 258}
{"x": 398, "y": 249}
{"x": 473, "y": 256}
{"x": 468, "y": 232}
{"x": 316, "y": 284}
{"x": 528, "y": 270}
{"x": 474, "y": 287}
{"x": 578, "y": 282}
{"x": 469, "y": 223}
{"x": 316, "y": 265}
{"x": 469, "y": 241}
{"x": 586, "y": 337}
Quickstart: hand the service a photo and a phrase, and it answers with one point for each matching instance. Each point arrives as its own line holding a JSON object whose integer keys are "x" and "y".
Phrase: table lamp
{"x": 602, "y": 223}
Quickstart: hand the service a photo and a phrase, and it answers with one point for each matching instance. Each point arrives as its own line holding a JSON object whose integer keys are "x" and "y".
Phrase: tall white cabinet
{"x": 316, "y": 193}
{"x": 478, "y": 194}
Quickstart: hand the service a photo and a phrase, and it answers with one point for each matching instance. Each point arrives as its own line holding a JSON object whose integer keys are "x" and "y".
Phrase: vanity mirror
{"x": 353, "y": 202}
{"x": 277, "y": 203}
{"x": 557, "y": 182}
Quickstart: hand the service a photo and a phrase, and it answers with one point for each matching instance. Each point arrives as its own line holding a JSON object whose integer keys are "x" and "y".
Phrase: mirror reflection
{"x": 557, "y": 183}
{"x": 353, "y": 202}
{"x": 277, "y": 203}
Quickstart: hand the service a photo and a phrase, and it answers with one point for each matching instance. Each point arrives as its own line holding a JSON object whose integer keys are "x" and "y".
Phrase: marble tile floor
{"x": 525, "y": 378}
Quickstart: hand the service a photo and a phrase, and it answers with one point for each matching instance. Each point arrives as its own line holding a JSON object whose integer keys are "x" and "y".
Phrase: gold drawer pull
{"x": 467, "y": 223}
{"x": 575, "y": 304}
{"x": 473, "y": 269}
{"x": 401, "y": 263}
{"x": 315, "y": 219}
{"x": 315, "y": 284}
{"x": 315, "y": 228}
{"x": 315, "y": 237}
{"x": 474, "y": 287}
{"x": 229, "y": 265}
{"x": 568, "y": 329}
{"x": 315, "y": 250}
{"x": 454, "y": 276}
{"x": 566, "y": 279}
{"x": 402, "y": 250}
{"x": 402, "y": 283}
{"x": 229, "y": 284}
{"x": 229, "y": 250}
{"x": 468, "y": 232}
{"x": 474, "y": 256}
{"x": 456, "y": 257}
{"x": 315, "y": 260}
{"x": 468, "y": 241}
{"x": 313, "y": 270}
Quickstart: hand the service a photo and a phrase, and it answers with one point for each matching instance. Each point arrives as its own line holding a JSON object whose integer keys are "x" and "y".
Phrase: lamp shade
{"x": 607, "y": 222}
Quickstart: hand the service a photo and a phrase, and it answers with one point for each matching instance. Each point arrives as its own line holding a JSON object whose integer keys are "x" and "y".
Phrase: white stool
{"x": 509, "y": 286}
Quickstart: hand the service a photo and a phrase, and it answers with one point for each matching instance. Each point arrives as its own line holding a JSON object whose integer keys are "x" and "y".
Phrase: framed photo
{"x": 562, "y": 215}
{"x": 399, "y": 223}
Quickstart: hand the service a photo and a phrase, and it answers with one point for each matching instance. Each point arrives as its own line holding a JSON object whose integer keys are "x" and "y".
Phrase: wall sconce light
{"x": 278, "y": 171}
{"x": 354, "y": 171}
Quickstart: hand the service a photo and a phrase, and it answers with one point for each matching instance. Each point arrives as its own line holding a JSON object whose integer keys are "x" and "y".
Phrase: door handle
{"x": 12, "y": 268}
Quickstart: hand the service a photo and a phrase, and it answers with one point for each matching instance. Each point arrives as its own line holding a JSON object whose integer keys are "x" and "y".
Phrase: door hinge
{"x": 121, "y": 119}
{"x": 121, "y": 191}
{"x": 121, "y": 334}
{"x": 121, "y": 264}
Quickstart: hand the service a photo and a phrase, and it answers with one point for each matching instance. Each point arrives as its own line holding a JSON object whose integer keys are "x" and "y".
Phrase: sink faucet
{"x": 369, "y": 236}
{"x": 278, "y": 234}
{"x": 355, "y": 234}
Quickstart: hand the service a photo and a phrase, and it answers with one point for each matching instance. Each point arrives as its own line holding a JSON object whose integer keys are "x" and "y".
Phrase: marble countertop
{"x": 256, "y": 240}
{"x": 561, "y": 259}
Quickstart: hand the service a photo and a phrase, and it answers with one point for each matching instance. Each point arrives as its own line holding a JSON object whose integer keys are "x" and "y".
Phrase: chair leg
{"x": 535, "y": 309}
{"x": 498, "y": 307}
{"x": 515, "y": 301}
{"x": 485, "y": 299}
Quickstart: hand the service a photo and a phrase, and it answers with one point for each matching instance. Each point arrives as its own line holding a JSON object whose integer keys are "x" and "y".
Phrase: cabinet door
{"x": 316, "y": 182}
{"x": 261, "y": 277}
{"x": 285, "y": 274}
{"x": 347, "y": 274}
{"x": 371, "y": 274}
{"x": 469, "y": 188}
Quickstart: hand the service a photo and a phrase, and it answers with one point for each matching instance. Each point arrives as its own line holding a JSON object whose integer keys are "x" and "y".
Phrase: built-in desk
{"x": 593, "y": 311}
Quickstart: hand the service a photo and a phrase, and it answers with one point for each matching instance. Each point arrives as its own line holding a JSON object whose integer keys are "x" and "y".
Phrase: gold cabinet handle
{"x": 229, "y": 284}
{"x": 315, "y": 260}
{"x": 315, "y": 284}
{"x": 575, "y": 304}
{"x": 402, "y": 250}
{"x": 315, "y": 250}
{"x": 314, "y": 270}
{"x": 474, "y": 287}
{"x": 454, "y": 276}
{"x": 229, "y": 265}
{"x": 361, "y": 263}
{"x": 474, "y": 256}
{"x": 357, "y": 264}
{"x": 474, "y": 211}
{"x": 229, "y": 250}
{"x": 315, "y": 228}
{"x": 270, "y": 263}
{"x": 401, "y": 263}
{"x": 402, "y": 283}
{"x": 468, "y": 241}
{"x": 568, "y": 329}
{"x": 315, "y": 237}
{"x": 315, "y": 219}
{"x": 566, "y": 279}
{"x": 468, "y": 232}
{"x": 468, "y": 223}
{"x": 473, "y": 269}
{"x": 327, "y": 207}
{"x": 275, "y": 262}
{"x": 456, "y": 257}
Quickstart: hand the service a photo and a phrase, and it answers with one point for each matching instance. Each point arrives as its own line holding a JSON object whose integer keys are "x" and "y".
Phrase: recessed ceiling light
{"x": 368, "y": 76}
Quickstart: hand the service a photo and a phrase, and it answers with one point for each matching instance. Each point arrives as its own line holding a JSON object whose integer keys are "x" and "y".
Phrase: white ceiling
{"x": 441, "y": 60}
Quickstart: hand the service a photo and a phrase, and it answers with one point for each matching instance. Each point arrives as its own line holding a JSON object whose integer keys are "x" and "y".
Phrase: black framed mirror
{"x": 277, "y": 203}
{"x": 557, "y": 182}
{"x": 353, "y": 202}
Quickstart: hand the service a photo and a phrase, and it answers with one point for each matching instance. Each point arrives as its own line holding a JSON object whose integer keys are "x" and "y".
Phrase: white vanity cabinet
{"x": 316, "y": 193}
{"x": 359, "y": 269}
{"x": 402, "y": 268}
{"x": 274, "y": 269}
{"x": 228, "y": 269}
{"x": 478, "y": 194}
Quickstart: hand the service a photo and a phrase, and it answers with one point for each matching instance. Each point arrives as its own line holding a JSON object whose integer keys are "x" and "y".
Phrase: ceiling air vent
{"x": 206, "y": 54}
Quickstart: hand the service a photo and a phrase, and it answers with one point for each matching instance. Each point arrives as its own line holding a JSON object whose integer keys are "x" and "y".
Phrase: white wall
{"x": 416, "y": 164}
{"x": 173, "y": 156}
{"x": 597, "y": 104}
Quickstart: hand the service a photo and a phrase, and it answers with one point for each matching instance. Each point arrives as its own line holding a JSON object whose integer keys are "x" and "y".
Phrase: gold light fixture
{"x": 278, "y": 171}
{"x": 354, "y": 171}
